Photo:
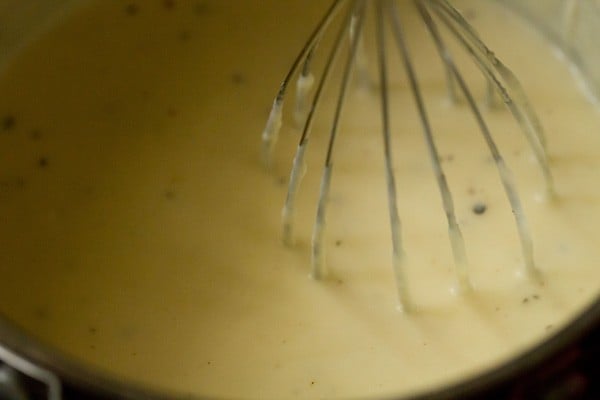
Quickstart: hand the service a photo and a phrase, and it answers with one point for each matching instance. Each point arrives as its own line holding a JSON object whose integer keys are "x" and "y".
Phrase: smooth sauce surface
{"x": 141, "y": 234}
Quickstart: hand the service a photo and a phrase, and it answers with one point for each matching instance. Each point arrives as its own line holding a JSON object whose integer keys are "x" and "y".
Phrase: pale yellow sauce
{"x": 141, "y": 235}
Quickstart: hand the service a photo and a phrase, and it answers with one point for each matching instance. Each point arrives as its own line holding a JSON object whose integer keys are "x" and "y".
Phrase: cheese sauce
{"x": 141, "y": 235}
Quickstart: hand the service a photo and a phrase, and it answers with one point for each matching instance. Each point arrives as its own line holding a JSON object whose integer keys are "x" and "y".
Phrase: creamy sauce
{"x": 141, "y": 235}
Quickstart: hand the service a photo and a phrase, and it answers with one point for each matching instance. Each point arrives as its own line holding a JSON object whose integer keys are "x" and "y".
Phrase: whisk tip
{"x": 319, "y": 267}
{"x": 271, "y": 132}
{"x": 287, "y": 237}
{"x": 462, "y": 287}
{"x": 536, "y": 276}
{"x": 318, "y": 274}
{"x": 405, "y": 306}
{"x": 531, "y": 274}
{"x": 265, "y": 155}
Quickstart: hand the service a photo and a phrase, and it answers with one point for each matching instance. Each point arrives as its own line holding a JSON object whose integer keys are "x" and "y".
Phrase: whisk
{"x": 501, "y": 82}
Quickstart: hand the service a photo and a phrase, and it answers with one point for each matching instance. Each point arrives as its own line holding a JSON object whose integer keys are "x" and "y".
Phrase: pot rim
{"x": 87, "y": 378}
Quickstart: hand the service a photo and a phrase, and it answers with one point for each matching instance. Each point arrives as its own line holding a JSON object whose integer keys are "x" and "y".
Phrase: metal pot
{"x": 563, "y": 367}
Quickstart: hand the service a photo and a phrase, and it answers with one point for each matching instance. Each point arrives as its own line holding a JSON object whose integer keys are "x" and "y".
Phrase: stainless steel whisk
{"x": 501, "y": 82}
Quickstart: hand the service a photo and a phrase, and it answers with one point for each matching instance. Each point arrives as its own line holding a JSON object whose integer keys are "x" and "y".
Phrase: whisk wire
{"x": 507, "y": 85}
{"x": 298, "y": 167}
{"x": 304, "y": 85}
{"x": 501, "y": 83}
{"x": 454, "y": 231}
{"x": 318, "y": 248}
{"x": 503, "y": 170}
{"x": 398, "y": 255}
{"x": 273, "y": 125}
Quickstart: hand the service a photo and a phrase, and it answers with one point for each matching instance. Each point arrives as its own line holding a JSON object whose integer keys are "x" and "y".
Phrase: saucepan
{"x": 565, "y": 366}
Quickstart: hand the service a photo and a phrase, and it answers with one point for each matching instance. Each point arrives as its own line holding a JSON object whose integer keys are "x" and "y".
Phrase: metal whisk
{"x": 501, "y": 82}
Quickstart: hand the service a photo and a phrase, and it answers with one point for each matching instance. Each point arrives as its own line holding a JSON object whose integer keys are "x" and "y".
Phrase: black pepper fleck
{"x": 470, "y": 13}
{"x": 132, "y": 9}
{"x": 14, "y": 183}
{"x": 92, "y": 330}
{"x": 170, "y": 194}
{"x": 35, "y": 134}
{"x": 338, "y": 243}
{"x": 479, "y": 208}
{"x": 8, "y": 122}
{"x": 43, "y": 162}
{"x": 448, "y": 158}
{"x": 172, "y": 112}
{"x": 525, "y": 300}
{"x": 201, "y": 7}
{"x": 169, "y": 4}
{"x": 40, "y": 313}
{"x": 237, "y": 78}
{"x": 185, "y": 35}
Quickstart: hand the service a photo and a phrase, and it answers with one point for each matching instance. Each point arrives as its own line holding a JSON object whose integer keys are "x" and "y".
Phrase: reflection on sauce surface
{"x": 140, "y": 233}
